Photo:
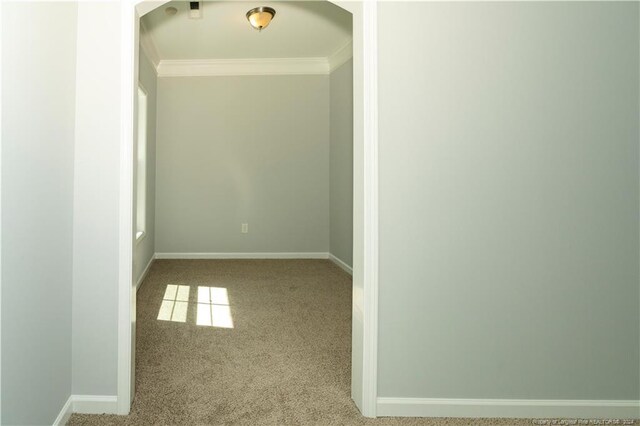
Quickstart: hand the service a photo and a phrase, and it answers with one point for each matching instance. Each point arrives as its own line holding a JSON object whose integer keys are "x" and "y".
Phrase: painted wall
{"x": 38, "y": 108}
{"x": 341, "y": 163}
{"x": 97, "y": 177}
{"x": 233, "y": 150}
{"x": 509, "y": 200}
{"x": 144, "y": 249}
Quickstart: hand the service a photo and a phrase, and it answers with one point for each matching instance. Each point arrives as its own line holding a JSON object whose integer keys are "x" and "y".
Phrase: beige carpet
{"x": 285, "y": 361}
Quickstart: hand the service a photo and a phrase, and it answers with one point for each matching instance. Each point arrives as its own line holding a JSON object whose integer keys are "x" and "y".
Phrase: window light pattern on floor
{"x": 213, "y": 307}
{"x": 175, "y": 303}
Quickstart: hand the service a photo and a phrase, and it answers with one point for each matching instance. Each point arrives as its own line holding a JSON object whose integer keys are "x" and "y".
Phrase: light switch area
{"x": 245, "y": 228}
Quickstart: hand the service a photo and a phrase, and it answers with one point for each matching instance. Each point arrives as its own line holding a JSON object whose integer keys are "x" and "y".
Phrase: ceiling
{"x": 300, "y": 29}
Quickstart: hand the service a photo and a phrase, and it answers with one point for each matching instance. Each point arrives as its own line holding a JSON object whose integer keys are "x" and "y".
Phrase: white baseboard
{"x": 341, "y": 264}
{"x": 303, "y": 255}
{"x": 86, "y": 404}
{"x": 95, "y": 404}
{"x": 514, "y": 408}
{"x": 65, "y": 413}
{"x": 145, "y": 272}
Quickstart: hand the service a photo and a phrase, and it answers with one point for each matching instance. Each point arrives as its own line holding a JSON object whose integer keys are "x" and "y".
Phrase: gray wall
{"x": 143, "y": 251}
{"x": 509, "y": 200}
{"x": 341, "y": 163}
{"x": 38, "y": 107}
{"x": 233, "y": 150}
{"x": 96, "y": 192}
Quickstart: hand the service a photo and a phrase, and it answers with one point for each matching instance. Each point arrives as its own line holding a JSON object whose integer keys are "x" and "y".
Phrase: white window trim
{"x": 140, "y": 232}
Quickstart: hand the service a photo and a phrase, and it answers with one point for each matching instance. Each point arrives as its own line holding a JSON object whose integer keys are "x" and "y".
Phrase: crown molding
{"x": 228, "y": 67}
{"x": 148, "y": 46}
{"x": 340, "y": 56}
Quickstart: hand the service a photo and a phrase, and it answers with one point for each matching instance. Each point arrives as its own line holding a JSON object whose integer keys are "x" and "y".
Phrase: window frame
{"x": 141, "y": 163}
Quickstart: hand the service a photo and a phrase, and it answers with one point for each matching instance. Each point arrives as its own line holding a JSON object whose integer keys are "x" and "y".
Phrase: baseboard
{"x": 341, "y": 264}
{"x": 86, "y": 404}
{"x": 145, "y": 272}
{"x": 513, "y": 408}
{"x": 65, "y": 413}
{"x": 302, "y": 255}
{"x": 95, "y": 404}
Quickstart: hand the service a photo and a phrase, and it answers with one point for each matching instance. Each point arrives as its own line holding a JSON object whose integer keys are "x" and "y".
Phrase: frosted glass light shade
{"x": 260, "y": 17}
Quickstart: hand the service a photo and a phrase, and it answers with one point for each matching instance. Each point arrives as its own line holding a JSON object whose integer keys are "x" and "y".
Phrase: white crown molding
{"x": 228, "y": 67}
{"x": 264, "y": 255}
{"x": 262, "y": 66}
{"x": 148, "y": 46}
{"x": 511, "y": 408}
{"x": 340, "y": 56}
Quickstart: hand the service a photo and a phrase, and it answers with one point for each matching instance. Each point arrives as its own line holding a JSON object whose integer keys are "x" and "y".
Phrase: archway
{"x": 365, "y": 206}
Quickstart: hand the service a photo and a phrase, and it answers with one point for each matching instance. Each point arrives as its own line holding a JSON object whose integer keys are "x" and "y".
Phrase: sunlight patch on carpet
{"x": 175, "y": 303}
{"x": 213, "y": 307}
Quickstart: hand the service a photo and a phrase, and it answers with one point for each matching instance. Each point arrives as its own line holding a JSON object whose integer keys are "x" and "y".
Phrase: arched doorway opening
{"x": 365, "y": 211}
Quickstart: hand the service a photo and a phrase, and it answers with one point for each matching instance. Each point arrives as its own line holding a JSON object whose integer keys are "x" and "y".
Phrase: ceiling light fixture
{"x": 260, "y": 17}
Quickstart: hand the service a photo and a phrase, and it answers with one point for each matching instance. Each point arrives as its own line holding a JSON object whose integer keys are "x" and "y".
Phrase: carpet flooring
{"x": 286, "y": 361}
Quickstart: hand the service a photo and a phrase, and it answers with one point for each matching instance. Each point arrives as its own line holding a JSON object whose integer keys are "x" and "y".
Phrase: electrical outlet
{"x": 245, "y": 228}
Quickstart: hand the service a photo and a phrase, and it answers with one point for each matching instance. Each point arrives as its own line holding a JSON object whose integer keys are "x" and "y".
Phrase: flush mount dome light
{"x": 260, "y": 17}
